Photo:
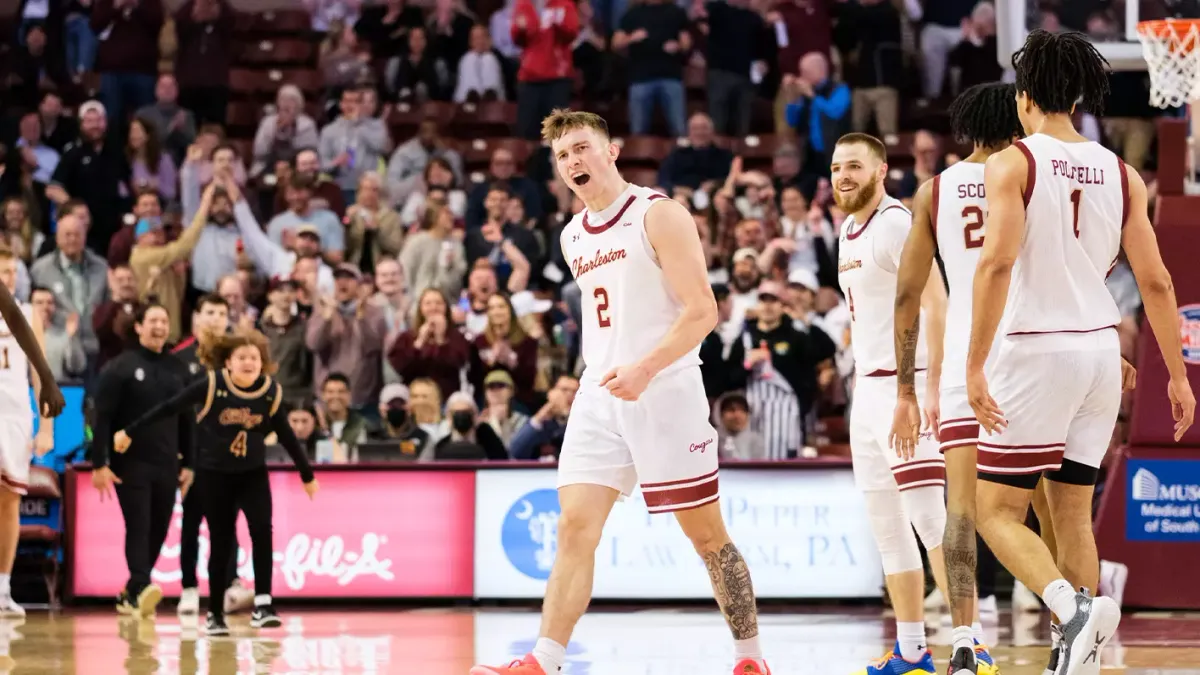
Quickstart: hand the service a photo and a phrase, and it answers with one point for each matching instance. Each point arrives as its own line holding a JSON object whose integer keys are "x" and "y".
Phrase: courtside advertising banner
{"x": 1163, "y": 502}
{"x": 366, "y": 535}
{"x": 804, "y": 534}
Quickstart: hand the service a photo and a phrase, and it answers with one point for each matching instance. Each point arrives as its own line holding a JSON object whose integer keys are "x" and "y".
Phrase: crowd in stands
{"x": 363, "y": 183}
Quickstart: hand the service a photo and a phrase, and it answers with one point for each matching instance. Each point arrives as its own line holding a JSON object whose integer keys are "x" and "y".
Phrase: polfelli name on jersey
{"x": 1084, "y": 175}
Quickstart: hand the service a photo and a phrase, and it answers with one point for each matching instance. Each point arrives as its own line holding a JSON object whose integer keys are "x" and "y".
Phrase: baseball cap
{"x": 147, "y": 225}
{"x": 805, "y": 278}
{"x": 310, "y": 230}
{"x": 278, "y": 283}
{"x": 743, "y": 253}
{"x": 770, "y": 288}
{"x": 498, "y": 377}
{"x": 393, "y": 392}
{"x": 347, "y": 270}
{"x": 92, "y": 106}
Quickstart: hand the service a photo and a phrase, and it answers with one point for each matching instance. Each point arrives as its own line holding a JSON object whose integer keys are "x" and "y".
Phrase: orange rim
{"x": 1174, "y": 30}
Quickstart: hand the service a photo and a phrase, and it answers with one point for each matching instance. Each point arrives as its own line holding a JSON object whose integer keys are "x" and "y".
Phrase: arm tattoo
{"x": 906, "y": 369}
{"x": 732, "y": 588}
{"x": 959, "y": 547}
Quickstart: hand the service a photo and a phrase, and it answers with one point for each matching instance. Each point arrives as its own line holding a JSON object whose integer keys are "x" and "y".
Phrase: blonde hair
{"x": 562, "y": 121}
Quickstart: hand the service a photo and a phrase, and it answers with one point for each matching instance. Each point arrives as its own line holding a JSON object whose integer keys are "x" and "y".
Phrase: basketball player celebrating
{"x": 21, "y": 342}
{"x": 1061, "y": 208}
{"x": 948, "y": 217}
{"x": 901, "y": 492}
{"x": 641, "y": 416}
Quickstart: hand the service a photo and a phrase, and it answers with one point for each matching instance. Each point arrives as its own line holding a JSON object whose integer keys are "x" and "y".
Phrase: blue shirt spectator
{"x": 819, "y": 111}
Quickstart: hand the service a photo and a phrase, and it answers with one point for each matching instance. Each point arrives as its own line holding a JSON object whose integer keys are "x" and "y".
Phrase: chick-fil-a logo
{"x": 344, "y": 543}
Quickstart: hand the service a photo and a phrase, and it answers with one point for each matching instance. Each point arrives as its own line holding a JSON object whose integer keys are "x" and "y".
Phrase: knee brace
{"x": 893, "y": 533}
{"x": 926, "y": 510}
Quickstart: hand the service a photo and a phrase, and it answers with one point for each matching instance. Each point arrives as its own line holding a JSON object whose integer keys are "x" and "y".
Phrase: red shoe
{"x": 750, "y": 667}
{"x": 526, "y": 666}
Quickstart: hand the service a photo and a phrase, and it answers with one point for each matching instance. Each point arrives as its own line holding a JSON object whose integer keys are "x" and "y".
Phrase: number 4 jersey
{"x": 628, "y": 306}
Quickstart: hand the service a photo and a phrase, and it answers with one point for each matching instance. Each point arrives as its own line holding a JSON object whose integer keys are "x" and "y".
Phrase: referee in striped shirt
{"x": 781, "y": 378}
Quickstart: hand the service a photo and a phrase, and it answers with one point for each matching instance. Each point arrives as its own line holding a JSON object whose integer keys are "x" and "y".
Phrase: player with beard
{"x": 641, "y": 415}
{"x": 903, "y": 490}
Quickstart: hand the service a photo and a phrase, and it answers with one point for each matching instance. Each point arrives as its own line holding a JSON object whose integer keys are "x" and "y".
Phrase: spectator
{"x": 697, "y": 164}
{"x": 590, "y": 54}
{"x": 871, "y": 29}
{"x": 353, "y": 144}
{"x": 941, "y": 31}
{"x": 449, "y": 31}
{"x": 510, "y": 249}
{"x": 655, "y": 34}
{"x": 480, "y": 75}
{"x": 373, "y": 229}
{"x": 284, "y": 133}
{"x": 504, "y": 346}
{"x": 433, "y": 257}
{"x": 418, "y": 74}
{"x": 33, "y": 68}
{"x": 721, "y": 356}
{"x": 210, "y": 162}
{"x": 325, "y": 13}
{"x": 342, "y": 65}
{"x": 112, "y": 320}
{"x": 425, "y": 406}
{"x": 35, "y": 152}
{"x": 433, "y": 348}
{"x": 735, "y": 56}
{"x": 399, "y": 424}
{"x": 301, "y": 212}
{"x": 232, "y": 289}
{"x": 95, "y": 171}
{"x": 799, "y": 27}
{"x": 384, "y": 27}
{"x": 819, "y": 110}
{"x": 204, "y": 32}
{"x": 408, "y": 162}
{"x": 20, "y": 238}
{"x": 499, "y": 412}
{"x": 473, "y": 304}
{"x": 927, "y": 163}
{"x": 469, "y": 439}
{"x": 58, "y": 130}
{"x": 79, "y": 39}
{"x": 175, "y": 125}
{"x": 63, "y": 343}
{"x": 151, "y": 168}
{"x": 735, "y": 439}
{"x": 326, "y": 193}
{"x": 216, "y": 253}
{"x": 346, "y": 334}
{"x": 502, "y": 170}
{"x": 303, "y": 421}
{"x": 274, "y": 260}
{"x": 76, "y": 276}
{"x": 346, "y": 426}
{"x": 147, "y": 204}
{"x": 815, "y": 240}
{"x": 544, "y": 33}
{"x": 161, "y": 267}
{"x": 501, "y": 33}
{"x": 438, "y": 175}
{"x": 543, "y": 434}
{"x": 394, "y": 302}
{"x": 127, "y": 58}
{"x": 973, "y": 60}
{"x": 284, "y": 328}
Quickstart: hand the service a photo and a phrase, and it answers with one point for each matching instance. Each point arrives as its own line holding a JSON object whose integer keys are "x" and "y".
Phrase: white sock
{"x": 749, "y": 649}
{"x": 977, "y": 632}
{"x": 262, "y": 600}
{"x": 1059, "y": 596}
{"x": 5, "y": 584}
{"x": 911, "y": 637}
{"x": 963, "y": 637}
{"x": 550, "y": 655}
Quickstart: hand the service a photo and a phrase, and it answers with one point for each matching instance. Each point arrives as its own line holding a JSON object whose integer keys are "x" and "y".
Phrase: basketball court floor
{"x": 447, "y": 642}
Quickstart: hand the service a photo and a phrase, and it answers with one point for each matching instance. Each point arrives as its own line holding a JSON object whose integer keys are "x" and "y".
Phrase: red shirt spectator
{"x": 809, "y": 26}
{"x": 546, "y": 38}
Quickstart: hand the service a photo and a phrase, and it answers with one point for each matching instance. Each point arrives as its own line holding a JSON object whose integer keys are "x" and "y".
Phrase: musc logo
{"x": 1146, "y": 487}
{"x": 529, "y": 535}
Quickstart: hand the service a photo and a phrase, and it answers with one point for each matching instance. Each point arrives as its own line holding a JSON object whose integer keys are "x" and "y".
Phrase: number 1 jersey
{"x": 628, "y": 306}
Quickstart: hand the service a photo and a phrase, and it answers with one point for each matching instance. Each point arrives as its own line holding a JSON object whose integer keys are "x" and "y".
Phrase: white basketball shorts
{"x": 958, "y": 426}
{"x": 16, "y": 452}
{"x": 1060, "y": 394}
{"x": 876, "y": 465}
{"x": 662, "y": 441}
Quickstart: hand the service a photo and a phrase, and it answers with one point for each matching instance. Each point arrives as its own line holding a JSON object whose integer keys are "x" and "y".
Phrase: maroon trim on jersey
{"x": 184, "y": 344}
{"x": 654, "y": 195}
{"x": 678, "y": 495}
{"x": 880, "y": 372}
{"x": 601, "y": 228}
{"x": 933, "y": 209}
{"x": 1019, "y": 459}
{"x": 1124, "y": 195}
{"x": 920, "y": 473}
{"x": 1054, "y": 332}
{"x": 1031, "y": 172}
{"x": 856, "y": 235}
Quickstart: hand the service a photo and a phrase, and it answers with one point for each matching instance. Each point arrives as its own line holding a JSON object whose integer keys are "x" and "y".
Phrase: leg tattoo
{"x": 732, "y": 588}
{"x": 959, "y": 548}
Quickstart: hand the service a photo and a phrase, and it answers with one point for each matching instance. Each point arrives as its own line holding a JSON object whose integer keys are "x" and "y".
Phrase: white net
{"x": 1172, "y": 51}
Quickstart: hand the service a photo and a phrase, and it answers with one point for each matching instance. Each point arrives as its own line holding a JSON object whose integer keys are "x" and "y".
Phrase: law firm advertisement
{"x": 1163, "y": 500}
{"x": 804, "y": 534}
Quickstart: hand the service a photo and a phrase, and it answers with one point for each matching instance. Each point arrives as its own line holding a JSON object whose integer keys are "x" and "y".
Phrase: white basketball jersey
{"x": 868, "y": 259}
{"x": 959, "y": 213}
{"x": 1076, "y": 202}
{"x": 14, "y": 372}
{"x": 627, "y": 306}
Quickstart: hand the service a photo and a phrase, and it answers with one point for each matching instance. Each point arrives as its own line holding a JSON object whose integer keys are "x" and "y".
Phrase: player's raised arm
{"x": 1004, "y": 181}
{"x": 50, "y": 399}
{"x": 1158, "y": 296}
{"x": 911, "y": 280}
{"x": 672, "y": 234}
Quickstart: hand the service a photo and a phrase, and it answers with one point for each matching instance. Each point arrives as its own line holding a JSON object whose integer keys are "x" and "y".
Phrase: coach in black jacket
{"x": 158, "y": 461}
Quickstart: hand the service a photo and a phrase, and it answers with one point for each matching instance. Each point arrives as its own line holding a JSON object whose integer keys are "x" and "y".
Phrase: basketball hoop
{"x": 1172, "y": 51}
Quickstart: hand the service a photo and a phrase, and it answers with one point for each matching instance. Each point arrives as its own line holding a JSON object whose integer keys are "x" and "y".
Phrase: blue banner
{"x": 1163, "y": 500}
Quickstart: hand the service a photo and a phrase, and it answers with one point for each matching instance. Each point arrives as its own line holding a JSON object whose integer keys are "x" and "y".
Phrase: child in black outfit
{"x": 240, "y": 405}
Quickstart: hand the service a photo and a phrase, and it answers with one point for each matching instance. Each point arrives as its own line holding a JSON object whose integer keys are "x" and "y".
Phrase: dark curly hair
{"x": 986, "y": 115}
{"x": 215, "y": 350}
{"x": 1059, "y": 70}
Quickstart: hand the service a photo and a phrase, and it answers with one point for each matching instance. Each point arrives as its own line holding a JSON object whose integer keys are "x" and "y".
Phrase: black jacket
{"x": 129, "y": 385}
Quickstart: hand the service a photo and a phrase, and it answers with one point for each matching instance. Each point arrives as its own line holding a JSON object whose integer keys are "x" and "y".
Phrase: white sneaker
{"x": 8, "y": 607}
{"x": 934, "y": 602}
{"x": 238, "y": 598}
{"x": 1113, "y": 576}
{"x": 988, "y": 612}
{"x": 189, "y": 602}
{"x": 1023, "y": 599}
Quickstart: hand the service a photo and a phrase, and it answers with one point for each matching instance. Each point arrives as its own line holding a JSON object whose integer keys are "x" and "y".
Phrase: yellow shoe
{"x": 987, "y": 666}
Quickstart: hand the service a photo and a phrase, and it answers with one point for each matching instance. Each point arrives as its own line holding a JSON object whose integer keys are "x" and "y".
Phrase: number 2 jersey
{"x": 628, "y": 306}
{"x": 868, "y": 261}
{"x": 14, "y": 372}
{"x": 233, "y": 423}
